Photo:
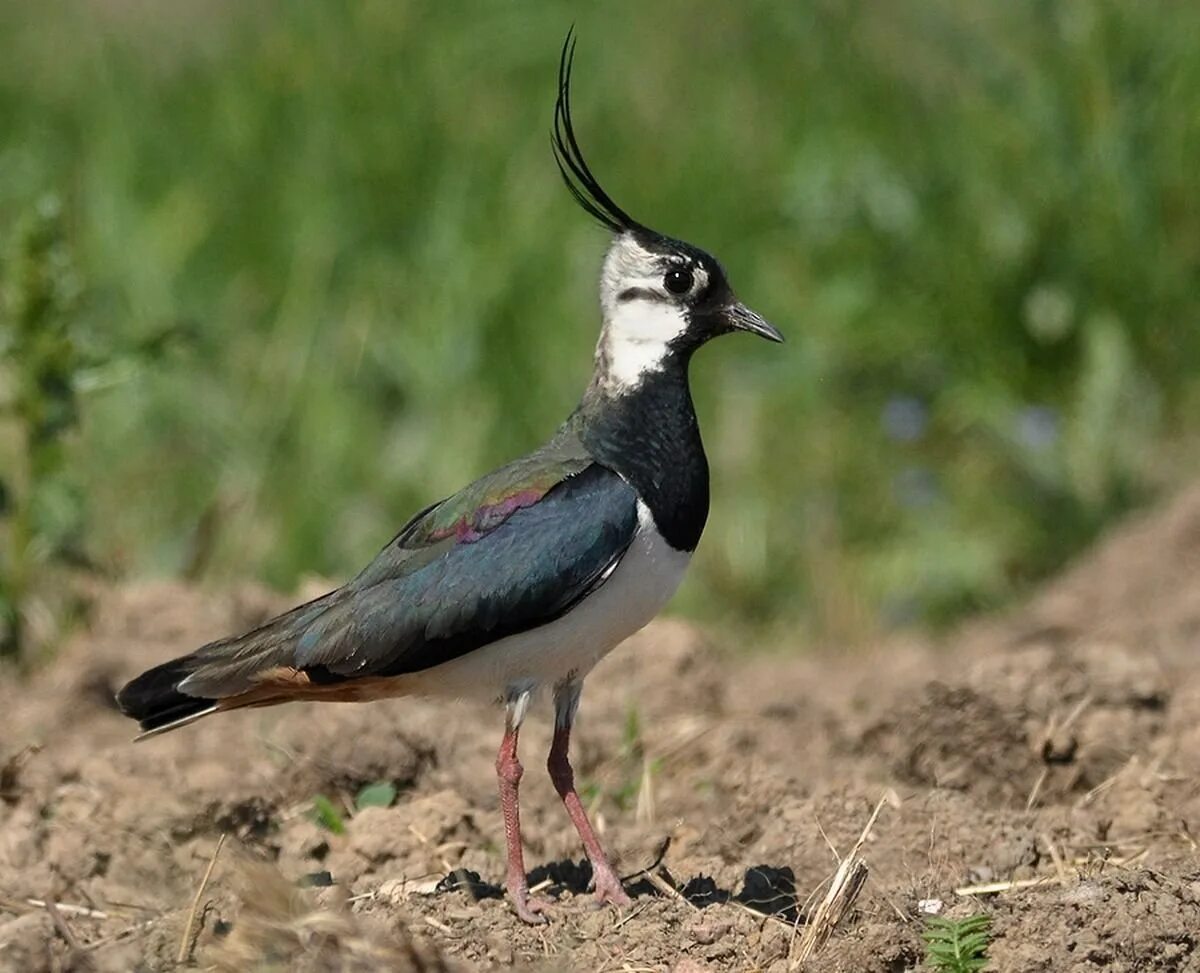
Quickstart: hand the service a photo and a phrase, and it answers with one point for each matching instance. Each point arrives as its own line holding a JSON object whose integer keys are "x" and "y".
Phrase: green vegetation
{"x": 957, "y": 945}
{"x": 331, "y": 815}
{"x": 40, "y": 507}
{"x": 380, "y": 794}
{"x": 978, "y": 226}
{"x": 328, "y": 815}
{"x": 627, "y": 777}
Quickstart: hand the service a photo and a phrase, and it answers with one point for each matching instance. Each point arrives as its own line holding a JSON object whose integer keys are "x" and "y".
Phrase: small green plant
{"x": 630, "y": 771}
{"x": 380, "y": 794}
{"x": 632, "y": 759}
{"x": 330, "y": 816}
{"x": 327, "y": 815}
{"x": 957, "y": 945}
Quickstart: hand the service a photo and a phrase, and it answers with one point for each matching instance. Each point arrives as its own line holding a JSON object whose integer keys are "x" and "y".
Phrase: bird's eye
{"x": 678, "y": 280}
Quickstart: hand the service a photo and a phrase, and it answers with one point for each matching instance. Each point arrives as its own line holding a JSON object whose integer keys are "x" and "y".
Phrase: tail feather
{"x": 154, "y": 699}
{"x": 218, "y": 675}
{"x": 174, "y": 724}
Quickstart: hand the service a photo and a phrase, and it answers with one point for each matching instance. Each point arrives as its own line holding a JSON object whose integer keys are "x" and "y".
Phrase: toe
{"x": 609, "y": 890}
{"x": 531, "y": 910}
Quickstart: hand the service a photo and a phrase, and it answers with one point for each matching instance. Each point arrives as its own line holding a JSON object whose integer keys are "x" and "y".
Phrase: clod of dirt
{"x": 953, "y": 737}
{"x": 420, "y": 836}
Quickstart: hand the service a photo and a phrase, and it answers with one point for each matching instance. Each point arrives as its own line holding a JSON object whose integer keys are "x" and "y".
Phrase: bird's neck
{"x": 648, "y": 433}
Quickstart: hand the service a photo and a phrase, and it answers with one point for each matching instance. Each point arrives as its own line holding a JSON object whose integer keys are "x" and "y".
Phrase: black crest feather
{"x": 575, "y": 172}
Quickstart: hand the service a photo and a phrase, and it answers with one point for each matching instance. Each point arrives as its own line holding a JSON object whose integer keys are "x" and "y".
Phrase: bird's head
{"x": 661, "y": 298}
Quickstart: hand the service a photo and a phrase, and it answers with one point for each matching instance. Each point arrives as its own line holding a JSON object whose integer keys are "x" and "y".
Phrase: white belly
{"x": 641, "y": 584}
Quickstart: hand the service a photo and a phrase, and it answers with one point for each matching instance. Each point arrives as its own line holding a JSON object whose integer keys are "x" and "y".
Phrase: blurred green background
{"x": 308, "y": 266}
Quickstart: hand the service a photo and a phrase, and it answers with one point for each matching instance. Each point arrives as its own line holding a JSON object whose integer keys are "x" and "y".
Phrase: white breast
{"x": 640, "y": 585}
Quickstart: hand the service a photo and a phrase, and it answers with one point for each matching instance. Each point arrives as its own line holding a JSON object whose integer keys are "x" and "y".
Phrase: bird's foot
{"x": 609, "y": 889}
{"x": 529, "y": 908}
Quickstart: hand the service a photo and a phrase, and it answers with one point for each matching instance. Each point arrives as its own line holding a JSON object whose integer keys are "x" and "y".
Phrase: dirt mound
{"x": 1052, "y": 755}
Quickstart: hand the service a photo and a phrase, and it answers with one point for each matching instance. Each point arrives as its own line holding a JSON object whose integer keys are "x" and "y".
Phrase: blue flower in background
{"x": 1038, "y": 427}
{"x": 904, "y": 419}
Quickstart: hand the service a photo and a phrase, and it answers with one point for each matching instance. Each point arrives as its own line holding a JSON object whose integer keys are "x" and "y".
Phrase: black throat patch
{"x": 648, "y": 433}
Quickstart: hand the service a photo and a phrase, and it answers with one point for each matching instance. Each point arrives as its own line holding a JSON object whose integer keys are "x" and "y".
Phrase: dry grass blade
{"x": 667, "y": 889}
{"x": 1130, "y": 766}
{"x": 844, "y": 889}
{"x": 994, "y": 888}
{"x": 439, "y": 926}
{"x": 633, "y": 914}
{"x": 188, "y": 942}
{"x": 1036, "y": 790}
{"x": 18, "y": 905}
{"x": 128, "y": 932}
{"x": 64, "y": 930}
{"x": 1064, "y": 872}
{"x": 1060, "y": 866}
{"x": 645, "y": 813}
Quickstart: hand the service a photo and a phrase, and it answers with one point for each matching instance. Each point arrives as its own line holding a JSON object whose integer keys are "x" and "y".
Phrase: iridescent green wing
{"x": 478, "y": 509}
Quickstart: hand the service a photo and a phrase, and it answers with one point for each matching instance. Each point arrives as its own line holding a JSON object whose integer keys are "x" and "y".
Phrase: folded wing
{"x": 511, "y": 552}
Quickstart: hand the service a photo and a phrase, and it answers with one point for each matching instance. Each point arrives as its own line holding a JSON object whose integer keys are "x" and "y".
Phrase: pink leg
{"x": 608, "y": 886}
{"x": 509, "y": 771}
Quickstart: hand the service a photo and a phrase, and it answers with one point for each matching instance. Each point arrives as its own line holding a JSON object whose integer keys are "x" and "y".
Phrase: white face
{"x": 641, "y": 316}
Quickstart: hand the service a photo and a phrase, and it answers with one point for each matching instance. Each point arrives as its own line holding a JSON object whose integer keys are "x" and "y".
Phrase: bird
{"x": 518, "y": 584}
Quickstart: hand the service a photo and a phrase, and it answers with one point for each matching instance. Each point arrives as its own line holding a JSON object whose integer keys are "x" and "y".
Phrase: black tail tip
{"x": 154, "y": 699}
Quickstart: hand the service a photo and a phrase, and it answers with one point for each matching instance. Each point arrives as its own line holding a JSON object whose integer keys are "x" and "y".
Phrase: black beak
{"x": 741, "y": 318}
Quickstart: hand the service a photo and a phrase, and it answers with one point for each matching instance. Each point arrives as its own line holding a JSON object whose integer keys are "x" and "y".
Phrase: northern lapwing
{"x": 525, "y": 579}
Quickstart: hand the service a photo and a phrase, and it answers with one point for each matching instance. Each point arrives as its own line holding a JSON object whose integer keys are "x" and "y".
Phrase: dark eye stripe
{"x": 634, "y": 293}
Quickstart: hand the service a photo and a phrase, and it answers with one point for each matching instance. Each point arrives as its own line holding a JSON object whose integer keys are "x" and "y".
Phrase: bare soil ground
{"x": 1053, "y": 753}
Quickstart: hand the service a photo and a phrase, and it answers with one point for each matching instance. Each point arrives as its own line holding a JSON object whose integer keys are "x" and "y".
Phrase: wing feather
{"x": 420, "y": 606}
